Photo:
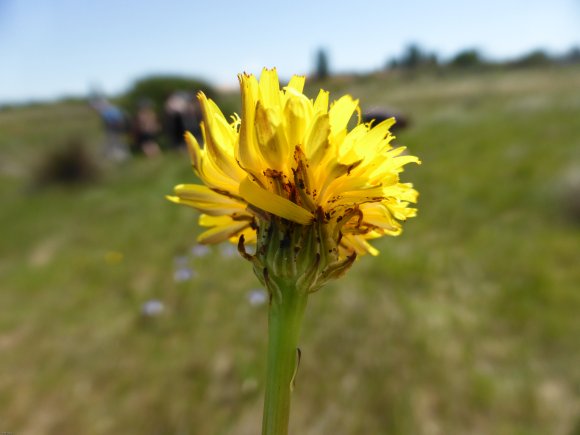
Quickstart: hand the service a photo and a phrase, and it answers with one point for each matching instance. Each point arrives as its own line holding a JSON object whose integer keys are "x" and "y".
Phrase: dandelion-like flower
{"x": 291, "y": 177}
{"x": 293, "y": 160}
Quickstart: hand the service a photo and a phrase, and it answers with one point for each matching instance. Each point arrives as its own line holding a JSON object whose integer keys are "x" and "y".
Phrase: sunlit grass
{"x": 467, "y": 323}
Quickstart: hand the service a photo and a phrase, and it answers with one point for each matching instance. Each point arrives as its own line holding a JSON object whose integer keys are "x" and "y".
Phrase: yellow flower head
{"x": 293, "y": 159}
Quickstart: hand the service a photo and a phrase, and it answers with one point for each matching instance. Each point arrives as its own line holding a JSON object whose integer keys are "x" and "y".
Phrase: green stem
{"x": 284, "y": 323}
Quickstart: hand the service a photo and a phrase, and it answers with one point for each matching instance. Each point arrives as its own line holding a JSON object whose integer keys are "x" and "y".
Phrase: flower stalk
{"x": 284, "y": 325}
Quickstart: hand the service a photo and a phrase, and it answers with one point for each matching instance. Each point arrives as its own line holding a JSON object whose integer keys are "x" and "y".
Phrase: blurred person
{"x": 115, "y": 124}
{"x": 146, "y": 129}
{"x": 182, "y": 113}
{"x": 193, "y": 117}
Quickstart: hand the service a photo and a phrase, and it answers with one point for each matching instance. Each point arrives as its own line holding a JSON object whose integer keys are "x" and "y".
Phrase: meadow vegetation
{"x": 466, "y": 324}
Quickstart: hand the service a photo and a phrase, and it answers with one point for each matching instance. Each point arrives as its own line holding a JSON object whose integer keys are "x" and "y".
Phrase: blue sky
{"x": 51, "y": 48}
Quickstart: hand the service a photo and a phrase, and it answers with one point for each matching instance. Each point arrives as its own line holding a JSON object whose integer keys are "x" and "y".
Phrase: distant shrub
{"x": 392, "y": 63}
{"x": 71, "y": 164}
{"x": 414, "y": 57}
{"x": 534, "y": 58}
{"x": 156, "y": 89}
{"x": 573, "y": 56}
{"x": 467, "y": 59}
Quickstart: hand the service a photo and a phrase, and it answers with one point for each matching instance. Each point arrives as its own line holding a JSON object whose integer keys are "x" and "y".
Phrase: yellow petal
{"x": 194, "y": 150}
{"x": 378, "y": 215}
{"x": 247, "y": 153}
{"x": 207, "y": 169}
{"x": 272, "y": 203}
{"x": 341, "y": 112}
{"x": 249, "y": 234}
{"x": 297, "y": 113}
{"x": 349, "y": 150}
{"x": 215, "y": 221}
{"x": 205, "y": 200}
{"x": 202, "y": 193}
{"x": 393, "y": 165}
{"x": 402, "y": 191}
{"x": 270, "y": 88}
{"x": 219, "y": 139}
{"x": 206, "y": 207}
{"x": 223, "y": 229}
{"x": 374, "y": 141}
{"x": 271, "y": 138}
{"x": 321, "y": 102}
{"x": 297, "y": 83}
{"x": 317, "y": 139}
{"x": 359, "y": 245}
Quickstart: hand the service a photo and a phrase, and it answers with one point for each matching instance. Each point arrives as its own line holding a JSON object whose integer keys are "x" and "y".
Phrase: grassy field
{"x": 466, "y": 324}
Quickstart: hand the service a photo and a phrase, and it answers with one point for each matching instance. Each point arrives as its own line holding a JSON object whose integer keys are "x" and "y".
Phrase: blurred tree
{"x": 414, "y": 57}
{"x": 392, "y": 64}
{"x": 467, "y": 59}
{"x": 157, "y": 89}
{"x": 432, "y": 60}
{"x": 573, "y": 56}
{"x": 322, "y": 68}
{"x": 534, "y": 58}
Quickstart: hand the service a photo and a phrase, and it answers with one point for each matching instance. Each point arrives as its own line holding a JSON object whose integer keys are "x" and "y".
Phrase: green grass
{"x": 467, "y": 323}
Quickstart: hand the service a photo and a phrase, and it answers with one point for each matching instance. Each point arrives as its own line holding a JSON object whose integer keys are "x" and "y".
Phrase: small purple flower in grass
{"x": 152, "y": 308}
{"x": 257, "y": 296}
{"x": 228, "y": 251}
{"x": 200, "y": 250}
{"x": 183, "y": 274}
